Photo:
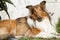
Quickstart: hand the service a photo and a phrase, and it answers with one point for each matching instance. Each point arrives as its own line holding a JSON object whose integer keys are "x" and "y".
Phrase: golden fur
{"x": 18, "y": 27}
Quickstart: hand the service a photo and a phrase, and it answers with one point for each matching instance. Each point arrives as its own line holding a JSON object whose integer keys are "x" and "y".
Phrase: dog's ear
{"x": 43, "y": 3}
{"x": 29, "y": 6}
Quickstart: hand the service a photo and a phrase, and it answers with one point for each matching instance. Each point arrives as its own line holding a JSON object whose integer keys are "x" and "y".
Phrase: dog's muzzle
{"x": 39, "y": 19}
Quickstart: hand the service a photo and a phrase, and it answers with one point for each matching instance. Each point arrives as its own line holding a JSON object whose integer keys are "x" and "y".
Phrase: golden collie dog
{"x": 26, "y": 26}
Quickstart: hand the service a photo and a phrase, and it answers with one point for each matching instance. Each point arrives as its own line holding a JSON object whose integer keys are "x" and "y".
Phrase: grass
{"x": 58, "y": 26}
{"x": 38, "y": 39}
{"x": 30, "y": 38}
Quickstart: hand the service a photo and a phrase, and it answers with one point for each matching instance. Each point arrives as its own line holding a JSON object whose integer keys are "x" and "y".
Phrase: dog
{"x": 21, "y": 26}
{"x": 37, "y": 24}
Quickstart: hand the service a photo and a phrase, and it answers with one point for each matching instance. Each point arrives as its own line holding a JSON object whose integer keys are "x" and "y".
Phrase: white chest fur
{"x": 47, "y": 29}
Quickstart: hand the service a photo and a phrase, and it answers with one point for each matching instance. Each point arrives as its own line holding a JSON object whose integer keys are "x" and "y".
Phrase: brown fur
{"x": 18, "y": 27}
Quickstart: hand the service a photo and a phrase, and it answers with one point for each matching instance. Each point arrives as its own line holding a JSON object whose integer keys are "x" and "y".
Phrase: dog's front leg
{"x": 35, "y": 31}
{"x": 32, "y": 32}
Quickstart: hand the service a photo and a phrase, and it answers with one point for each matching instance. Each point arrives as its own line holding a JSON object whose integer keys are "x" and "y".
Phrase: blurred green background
{"x": 58, "y": 26}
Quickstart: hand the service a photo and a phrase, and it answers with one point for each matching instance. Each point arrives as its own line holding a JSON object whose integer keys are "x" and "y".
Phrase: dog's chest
{"x": 45, "y": 26}
{"x": 31, "y": 22}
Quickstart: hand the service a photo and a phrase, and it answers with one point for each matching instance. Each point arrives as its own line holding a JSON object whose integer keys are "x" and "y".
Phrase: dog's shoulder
{"x": 21, "y": 19}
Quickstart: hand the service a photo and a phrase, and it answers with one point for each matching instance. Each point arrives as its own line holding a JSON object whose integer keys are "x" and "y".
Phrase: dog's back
{"x": 6, "y": 26}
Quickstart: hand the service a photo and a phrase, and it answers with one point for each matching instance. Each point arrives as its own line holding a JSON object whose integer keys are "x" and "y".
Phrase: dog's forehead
{"x": 37, "y": 7}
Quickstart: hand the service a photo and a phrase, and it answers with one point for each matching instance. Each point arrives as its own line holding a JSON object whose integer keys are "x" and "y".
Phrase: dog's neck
{"x": 31, "y": 22}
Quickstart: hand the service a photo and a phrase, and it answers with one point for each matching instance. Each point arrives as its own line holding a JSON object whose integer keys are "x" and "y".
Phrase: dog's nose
{"x": 39, "y": 19}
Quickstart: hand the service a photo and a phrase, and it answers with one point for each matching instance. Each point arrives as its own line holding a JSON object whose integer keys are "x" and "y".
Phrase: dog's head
{"x": 38, "y": 11}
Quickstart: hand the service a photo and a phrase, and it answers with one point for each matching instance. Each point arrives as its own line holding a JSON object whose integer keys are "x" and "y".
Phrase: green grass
{"x": 58, "y": 26}
{"x": 30, "y": 38}
{"x": 38, "y": 39}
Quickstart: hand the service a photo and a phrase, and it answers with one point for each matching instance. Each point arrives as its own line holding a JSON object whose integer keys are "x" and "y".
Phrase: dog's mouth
{"x": 38, "y": 18}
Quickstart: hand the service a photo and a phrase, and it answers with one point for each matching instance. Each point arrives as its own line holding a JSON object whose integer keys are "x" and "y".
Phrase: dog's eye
{"x": 39, "y": 19}
{"x": 33, "y": 11}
